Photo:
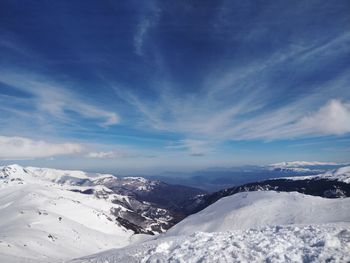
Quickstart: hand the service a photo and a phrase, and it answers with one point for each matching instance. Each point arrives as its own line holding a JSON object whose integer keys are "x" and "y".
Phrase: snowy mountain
{"x": 261, "y": 208}
{"x": 331, "y": 184}
{"x": 303, "y": 164}
{"x": 341, "y": 175}
{"x": 250, "y": 227}
{"x": 301, "y": 167}
{"x": 49, "y": 214}
{"x": 218, "y": 178}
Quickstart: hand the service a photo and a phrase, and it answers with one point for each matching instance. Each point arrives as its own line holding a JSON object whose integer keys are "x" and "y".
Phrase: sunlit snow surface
{"x": 342, "y": 175}
{"x": 251, "y": 227}
{"x": 257, "y": 209}
{"x": 308, "y": 243}
{"x": 42, "y": 220}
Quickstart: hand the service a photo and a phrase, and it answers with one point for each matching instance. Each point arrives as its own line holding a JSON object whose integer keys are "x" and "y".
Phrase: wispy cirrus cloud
{"x": 240, "y": 104}
{"x": 193, "y": 146}
{"x": 291, "y": 122}
{"x": 140, "y": 35}
{"x": 148, "y": 20}
{"x": 46, "y": 97}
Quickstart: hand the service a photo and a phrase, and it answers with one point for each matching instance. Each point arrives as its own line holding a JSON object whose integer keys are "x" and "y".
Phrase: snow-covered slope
{"x": 302, "y": 164}
{"x": 250, "y": 227}
{"x": 44, "y": 220}
{"x": 302, "y": 167}
{"x": 261, "y": 208}
{"x": 48, "y": 214}
{"x": 47, "y": 223}
{"x": 310, "y": 243}
{"x": 51, "y": 215}
{"x": 331, "y": 184}
{"x": 342, "y": 175}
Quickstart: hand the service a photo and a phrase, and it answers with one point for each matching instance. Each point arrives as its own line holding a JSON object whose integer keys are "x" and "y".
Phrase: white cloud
{"x": 241, "y": 103}
{"x": 294, "y": 121}
{"x": 99, "y": 151}
{"x": 18, "y": 148}
{"x": 101, "y": 155}
{"x": 331, "y": 119}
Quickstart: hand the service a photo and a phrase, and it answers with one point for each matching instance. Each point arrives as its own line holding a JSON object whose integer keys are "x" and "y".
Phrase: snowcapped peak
{"x": 343, "y": 170}
{"x": 13, "y": 166}
{"x": 55, "y": 174}
{"x": 300, "y": 164}
{"x": 13, "y": 170}
{"x": 136, "y": 178}
{"x": 33, "y": 174}
{"x": 17, "y": 173}
{"x": 304, "y": 167}
{"x": 341, "y": 174}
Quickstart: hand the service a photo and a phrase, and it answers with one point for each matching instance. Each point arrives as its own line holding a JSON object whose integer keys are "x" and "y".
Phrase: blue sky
{"x": 144, "y": 86}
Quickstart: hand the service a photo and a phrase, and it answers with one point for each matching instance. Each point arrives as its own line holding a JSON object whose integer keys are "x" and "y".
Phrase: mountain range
{"x": 217, "y": 178}
{"x": 50, "y": 215}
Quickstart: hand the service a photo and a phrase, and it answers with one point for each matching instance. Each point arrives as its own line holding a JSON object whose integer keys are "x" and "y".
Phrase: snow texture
{"x": 256, "y": 209}
{"x": 308, "y": 243}
{"x": 43, "y": 220}
{"x": 263, "y": 226}
{"x": 342, "y": 175}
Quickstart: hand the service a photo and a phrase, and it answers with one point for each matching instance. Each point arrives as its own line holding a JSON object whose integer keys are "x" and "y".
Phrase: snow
{"x": 133, "y": 178}
{"x": 302, "y": 167}
{"x": 341, "y": 174}
{"x": 43, "y": 220}
{"x": 264, "y": 226}
{"x": 301, "y": 164}
{"x": 256, "y": 209}
{"x": 307, "y": 243}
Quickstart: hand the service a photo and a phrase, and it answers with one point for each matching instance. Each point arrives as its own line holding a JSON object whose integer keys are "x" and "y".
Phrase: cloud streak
{"x": 147, "y": 21}
{"x": 19, "y": 148}
{"x": 49, "y": 98}
{"x": 193, "y": 146}
{"x": 240, "y": 104}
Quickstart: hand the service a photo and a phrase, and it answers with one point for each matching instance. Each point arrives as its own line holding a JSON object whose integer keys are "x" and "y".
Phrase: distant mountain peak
{"x": 301, "y": 164}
